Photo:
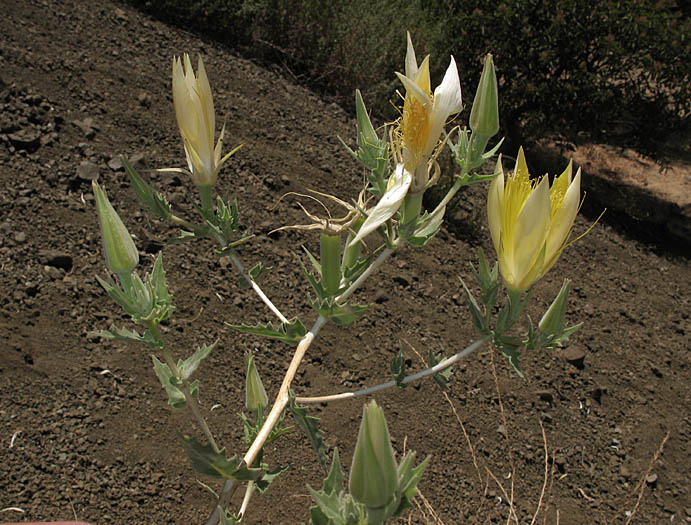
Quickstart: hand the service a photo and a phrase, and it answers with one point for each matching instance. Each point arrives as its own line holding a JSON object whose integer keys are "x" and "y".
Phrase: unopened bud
{"x": 374, "y": 473}
{"x": 255, "y": 395}
{"x": 366, "y": 134}
{"x": 120, "y": 252}
{"x": 484, "y": 116}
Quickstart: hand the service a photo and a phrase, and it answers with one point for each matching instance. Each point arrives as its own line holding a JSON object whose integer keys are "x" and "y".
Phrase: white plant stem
{"x": 283, "y": 396}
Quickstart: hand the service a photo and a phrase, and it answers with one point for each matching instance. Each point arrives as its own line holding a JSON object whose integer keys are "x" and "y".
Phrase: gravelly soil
{"x": 84, "y": 426}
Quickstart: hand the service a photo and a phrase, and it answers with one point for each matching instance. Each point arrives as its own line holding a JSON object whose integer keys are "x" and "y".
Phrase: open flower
{"x": 420, "y": 126}
{"x": 194, "y": 110}
{"x": 424, "y": 114}
{"x": 530, "y": 222}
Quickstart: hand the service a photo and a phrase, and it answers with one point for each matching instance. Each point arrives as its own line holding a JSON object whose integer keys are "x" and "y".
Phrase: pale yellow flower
{"x": 530, "y": 222}
{"x": 194, "y": 110}
{"x": 425, "y": 114}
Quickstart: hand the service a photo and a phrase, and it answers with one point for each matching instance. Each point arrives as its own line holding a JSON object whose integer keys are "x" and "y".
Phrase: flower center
{"x": 415, "y": 126}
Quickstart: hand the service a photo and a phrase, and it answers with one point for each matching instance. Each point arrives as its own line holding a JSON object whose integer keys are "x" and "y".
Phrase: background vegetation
{"x": 609, "y": 70}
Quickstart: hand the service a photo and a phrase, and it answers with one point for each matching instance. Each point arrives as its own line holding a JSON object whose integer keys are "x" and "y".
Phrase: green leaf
{"x": 408, "y": 478}
{"x": 475, "y": 312}
{"x": 227, "y": 518}
{"x": 311, "y": 426}
{"x": 290, "y": 333}
{"x": 122, "y": 334}
{"x": 398, "y": 368}
{"x": 343, "y": 315}
{"x": 152, "y": 199}
{"x": 489, "y": 281}
{"x": 256, "y": 273}
{"x": 510, "y": 346}
{"x": 442, "y": 378}
{"x": 425, "y": 229}
{"x": 263, "y": 483}
{"x": 207, "y": 462}
{"x": 189, "y": 366}
{"x": 176, "y": 398}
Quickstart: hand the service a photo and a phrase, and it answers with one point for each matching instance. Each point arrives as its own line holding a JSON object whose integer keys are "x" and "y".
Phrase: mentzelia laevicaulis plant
{"x": 194, "y": 109}
{"x": 530, "y": 222}
{"x": 423, "y": 120}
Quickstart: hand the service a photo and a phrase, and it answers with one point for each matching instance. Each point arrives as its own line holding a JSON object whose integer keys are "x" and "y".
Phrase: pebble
{"x": 87, "y": 170}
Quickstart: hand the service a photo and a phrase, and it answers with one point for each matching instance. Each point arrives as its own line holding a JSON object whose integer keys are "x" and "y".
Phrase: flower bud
{"x": 552, "y": 322}
{"x": 330, "y": 252}
{"x": 484, "y": 116}
{"x": 255, "y": 395}
{"x": 374, "y": 473}
{"x": 120, "y": 252}
{"x": 365, "y": 131}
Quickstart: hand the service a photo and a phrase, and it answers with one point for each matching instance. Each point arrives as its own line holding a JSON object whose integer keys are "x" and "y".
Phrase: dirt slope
{"x": 84, "y": 427}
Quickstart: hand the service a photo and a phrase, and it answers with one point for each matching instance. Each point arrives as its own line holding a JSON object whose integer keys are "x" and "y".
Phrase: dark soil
{"x": 85, "y": 430}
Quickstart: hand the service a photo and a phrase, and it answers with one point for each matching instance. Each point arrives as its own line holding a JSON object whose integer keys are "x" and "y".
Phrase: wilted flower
{"x": 396, "y": 190}
{"x": 120, "y": 252}
{"x": 374, "y": 473}
{"x": 530, "y": 222}
{"x": 194, "y": 109}
{"x": 424, "y": 114}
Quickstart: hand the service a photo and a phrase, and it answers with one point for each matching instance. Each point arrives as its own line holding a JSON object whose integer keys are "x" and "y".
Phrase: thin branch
{"x": 237, "y": 263}
{"x": 544, "y": 483}
{"x": 439, "y": 367}
{"x": 640, "y": 486}
{"x": 512, "y": 509}
{"x": 458, "y": 418}
{"x": 190, "y": 399}
{"x": 246, "y": 500}
{"x": 283, "y": 394}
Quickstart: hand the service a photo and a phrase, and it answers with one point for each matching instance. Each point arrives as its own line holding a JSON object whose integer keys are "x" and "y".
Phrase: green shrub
{"x": 617, "y": 70}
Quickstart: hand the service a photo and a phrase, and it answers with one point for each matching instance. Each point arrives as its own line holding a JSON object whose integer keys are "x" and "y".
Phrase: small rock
{"x": 120, "y": 14}
{"x": 144, "y": 99}
{"x": 545, "y": 395}
{"x": 575, "y": 355}
{"x": 20, "y": 237}
{"x": 115, "y": 163}
{"x": 56, "y": 259}
{"x": 87, "y": 126}
{"x": 651, "y": 480}
{"x": 25, "y": 139}
{"x": 87, "y": 170}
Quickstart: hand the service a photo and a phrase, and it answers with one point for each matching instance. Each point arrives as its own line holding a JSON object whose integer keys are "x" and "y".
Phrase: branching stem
{"x": 439, "y": 367}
